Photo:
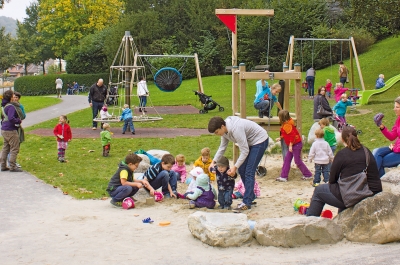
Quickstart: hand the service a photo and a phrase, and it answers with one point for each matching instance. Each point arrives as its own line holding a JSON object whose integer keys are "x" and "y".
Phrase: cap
{"x": 223, "y": 161}
{"x": 196, "y": 171}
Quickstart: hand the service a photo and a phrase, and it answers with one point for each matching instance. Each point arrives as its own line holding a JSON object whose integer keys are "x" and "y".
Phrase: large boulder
{"x": 297, "y": 231}
{"x": 220, "y": 229}
{"x": 375, "y": 219}
{"x": 144, "y": 164}
{"x": 157, "y": 153}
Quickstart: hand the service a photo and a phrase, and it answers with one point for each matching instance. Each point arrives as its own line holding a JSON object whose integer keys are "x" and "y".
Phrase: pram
{"x": 208, "y": 102}
{"x": 338, "y": 124}
{"x": 112, "y": 96}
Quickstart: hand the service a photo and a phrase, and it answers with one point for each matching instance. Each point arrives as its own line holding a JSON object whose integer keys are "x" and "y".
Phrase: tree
{"x": 64, "y": 22}
{"x": 2, "y": 3}
{"x": 7, "y": 55}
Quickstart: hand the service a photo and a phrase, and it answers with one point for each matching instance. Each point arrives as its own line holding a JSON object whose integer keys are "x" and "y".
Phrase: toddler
{"x": 105, "y": 137}
{"x": 204, "y": 194}
{"x": 104, "y": 115}
{"x": 204, "y": 161}
{"x": 194, "y": 173}
{"x": 127, "y": 118}
{"x": 292, "y": 139}
{"x": 180, "y": 168}
{"x": 328, "y": 87}
{"x": 225, "y": 183}
{"x": 239, "y": 189}
{"x": 380, "y": 82}
{"x": 322, "y": 155}
{"x": 329, "y": 133}
{"x": 341, "y": 107}
{"x": 339, "y": 90}
{"x": 266, "y": 98}
{"x": 63, "y": 133}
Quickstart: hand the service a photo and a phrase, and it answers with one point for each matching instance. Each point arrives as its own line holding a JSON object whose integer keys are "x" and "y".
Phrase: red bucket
{"x": 327, "y": 214}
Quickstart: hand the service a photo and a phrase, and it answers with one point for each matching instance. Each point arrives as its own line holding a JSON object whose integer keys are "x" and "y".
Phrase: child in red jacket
{"x": 292, "y": 139}
{"x": 63, "y": 133}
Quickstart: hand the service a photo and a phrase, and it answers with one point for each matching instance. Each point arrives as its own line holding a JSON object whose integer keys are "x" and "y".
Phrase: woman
{"x": 347, "y": 162}
{"x": 310, "y": 79}
{"x": 388, "y": 156}
{"x": 320, "y": 99}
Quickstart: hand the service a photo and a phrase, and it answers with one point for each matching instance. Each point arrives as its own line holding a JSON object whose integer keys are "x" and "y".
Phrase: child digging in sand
{"x": 204, "y": 195}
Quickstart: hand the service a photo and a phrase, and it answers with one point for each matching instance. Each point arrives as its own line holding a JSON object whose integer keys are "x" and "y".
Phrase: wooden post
{"x": 358, "y": 63}
{"x": 287, "y": 92}
{"x": 133, "y": 72}
{"x": 198, "y": 73}
{"x": 235, "y": 91}
{"x": 291, "y": 53}
{"x": 127, "y": 72}
{"x": 243, "y": 114}
{"x": 351, "y": 65}
{"x": 297, "y": 97}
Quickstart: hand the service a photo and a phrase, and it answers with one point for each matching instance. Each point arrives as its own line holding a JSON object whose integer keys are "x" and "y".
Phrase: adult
{"x": 320, "y": 99}
{"x": 310, "y": 79}
{"x": 349, "y": 161}
{"x": 59, "y": 84}
{"x": 380, "y": 82}
{"x": 343, "y": 73}
{"x": 75, "y": 87}
{"x": 252, "y": 140}
{"x": 97, "y": 96}
{"x": 69, "y": 89}
{"x": 388, "y": 156}
{"x": 142, "y": 93}
{"x": 11, "y": 116}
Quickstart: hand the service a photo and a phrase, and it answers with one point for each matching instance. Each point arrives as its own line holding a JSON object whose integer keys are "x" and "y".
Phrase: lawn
{"x": 87, "y": 173}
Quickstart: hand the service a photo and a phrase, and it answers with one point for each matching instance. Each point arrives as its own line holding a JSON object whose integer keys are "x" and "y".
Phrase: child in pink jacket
{"x": 180, "y": 167}
{"x": 339, "y": 90}
{"x": 238, "y": 191}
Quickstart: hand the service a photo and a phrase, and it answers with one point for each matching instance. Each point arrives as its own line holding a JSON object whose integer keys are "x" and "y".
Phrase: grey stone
{"x": 220, "y": 229}
{"x": 297, "y": 231}
{"x": 391, "y": 181}
{"x": 144, "y": 164}
{"x": 157, "y": 153}
{"x": 373, "y": 220}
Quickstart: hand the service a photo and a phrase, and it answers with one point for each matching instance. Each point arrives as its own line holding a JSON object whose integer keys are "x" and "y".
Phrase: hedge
{"x": 45, "y": 84}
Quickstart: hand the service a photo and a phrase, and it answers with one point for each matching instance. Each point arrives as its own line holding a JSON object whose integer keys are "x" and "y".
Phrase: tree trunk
{"x": 60, "y": 65}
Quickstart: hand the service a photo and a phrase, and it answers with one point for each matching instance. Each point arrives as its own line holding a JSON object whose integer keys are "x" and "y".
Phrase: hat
{"x": 104, "y": 108}
{"x": 195, "y": 172}
{"x": 223, "y": 162}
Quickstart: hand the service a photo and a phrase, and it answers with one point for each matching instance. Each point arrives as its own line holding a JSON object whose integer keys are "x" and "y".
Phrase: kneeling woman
{"x": 349, "y": 161}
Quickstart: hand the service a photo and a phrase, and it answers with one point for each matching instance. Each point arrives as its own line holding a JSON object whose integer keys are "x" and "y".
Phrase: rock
{"x": 373, "y": 220}
{"x": 142, "y": 195}
{"x": 391, "y": 181}
{"x": 144, "y": 164}
{"x": 157, "y": 153}
{"x": 220, "y": 229}
{"x": 297, "y": 231}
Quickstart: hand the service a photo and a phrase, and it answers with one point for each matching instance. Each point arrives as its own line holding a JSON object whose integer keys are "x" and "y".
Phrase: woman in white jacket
{"x": 142, "y": 93}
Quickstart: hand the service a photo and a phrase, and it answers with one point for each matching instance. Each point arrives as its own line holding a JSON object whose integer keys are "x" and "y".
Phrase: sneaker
{"x": 133, "y": 132}
{"x": 307, "y": 178}
{"x": 116, "y": 204}
{"x": 16, "y": 170}
{"x": 221, "y": 207}
{"x": 192, "y": 205}
{"x": 241, "y": 207}
{"x": 61, "y": 159}
{"x": 315, "y": 185}
{"x": 94, "y": 128}
{"x": 123, "y": 132}
{"x": 228, "y": 208}
{"x": 5, "y": 169}
{"x": 17, "y": 165}
{"x": 280, "y": 179}
{"x": 260, "y": 114}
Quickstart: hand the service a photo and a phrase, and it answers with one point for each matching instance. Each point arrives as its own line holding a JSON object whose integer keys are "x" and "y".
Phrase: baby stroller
{"x": 338, "y": 124}
{"x": 208, "y": 103}
{"x": 113, "y": 96}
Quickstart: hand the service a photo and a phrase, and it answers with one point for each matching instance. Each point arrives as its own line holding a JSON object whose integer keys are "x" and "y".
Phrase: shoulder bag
{"x": 354, "y": 189}
{"x": 321, "y": 110}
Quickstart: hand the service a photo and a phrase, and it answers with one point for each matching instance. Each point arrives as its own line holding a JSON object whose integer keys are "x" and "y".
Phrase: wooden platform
{"x": 273, "y": 123}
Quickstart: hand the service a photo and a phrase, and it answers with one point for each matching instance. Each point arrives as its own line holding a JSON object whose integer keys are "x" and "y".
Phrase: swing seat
{"x": 168, "y": 79}
{"x": 107, "y": 120}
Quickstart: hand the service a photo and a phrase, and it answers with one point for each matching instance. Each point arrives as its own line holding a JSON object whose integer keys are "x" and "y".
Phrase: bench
{"x": 228, "y": 69}
{"x": 260, "y": 68}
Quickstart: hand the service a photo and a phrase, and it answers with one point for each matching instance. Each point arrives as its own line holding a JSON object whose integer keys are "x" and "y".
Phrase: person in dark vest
{"x": 97, "y": 96}
{"x": 204, "y": 195}
{"x": 123, "y": 184}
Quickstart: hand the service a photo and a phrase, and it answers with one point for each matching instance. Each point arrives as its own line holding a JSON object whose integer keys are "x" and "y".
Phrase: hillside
{"x": 9, "y": 24}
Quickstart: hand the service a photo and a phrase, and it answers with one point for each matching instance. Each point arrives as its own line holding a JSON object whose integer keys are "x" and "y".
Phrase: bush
{"x": 45, "y": 84}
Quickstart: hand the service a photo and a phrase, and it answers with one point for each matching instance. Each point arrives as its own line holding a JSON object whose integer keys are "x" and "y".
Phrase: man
{"x": 252, "y": 140}
{"x": 11, "y": 120}
{"x": 75, "y": 87}
{"x": 97, "y": 96}
{"x": 343, "y": 72}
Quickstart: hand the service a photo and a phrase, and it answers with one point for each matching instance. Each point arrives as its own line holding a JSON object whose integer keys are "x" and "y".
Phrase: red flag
{"x": 229, "y": 21}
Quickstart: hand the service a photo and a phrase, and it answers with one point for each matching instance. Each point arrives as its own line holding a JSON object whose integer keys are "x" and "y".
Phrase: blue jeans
{"x": 385, "y": 157}
{"x": 333, "y": 148}
{"x": 310, "y": 85}
{"x": 248, "y": 169}
{"x": 122, "y": 192}
{"x": 343, "y": 80}
{"x": 321, "y": 169}
{"x": 162, "y": 180}
{"x": 142, "y": 101}
{"x": 128, "y": 122}
{"x": 262, "y": 105}
{"x": 96, "y": 108}
{"x": 225, "y": 197}
{"x": 322, "y": 195}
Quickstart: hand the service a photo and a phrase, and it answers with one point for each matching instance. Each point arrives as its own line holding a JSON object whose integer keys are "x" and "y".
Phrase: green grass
{"x": 86, "y": 175}
{"x": 35, "y": 103}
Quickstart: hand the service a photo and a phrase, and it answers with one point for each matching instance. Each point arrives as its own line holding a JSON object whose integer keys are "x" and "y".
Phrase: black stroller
{"x": 113, "y": 96}
{"x": 208, "y": 103}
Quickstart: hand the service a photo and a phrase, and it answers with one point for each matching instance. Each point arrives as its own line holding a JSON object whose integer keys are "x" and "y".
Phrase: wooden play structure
{"x": 240, "y": 75}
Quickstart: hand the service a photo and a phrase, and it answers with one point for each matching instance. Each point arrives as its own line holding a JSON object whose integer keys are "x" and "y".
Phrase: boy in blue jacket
{"x": 341, "y": 107}
{"x": 127, "y": 118}
{"x": 266, "y": 97}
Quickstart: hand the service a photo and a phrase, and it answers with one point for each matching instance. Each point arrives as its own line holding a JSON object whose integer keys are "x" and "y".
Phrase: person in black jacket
{"x": 320, "y": 99}
{"x": 349, "y": 161}
{"x": 97, "y": 97}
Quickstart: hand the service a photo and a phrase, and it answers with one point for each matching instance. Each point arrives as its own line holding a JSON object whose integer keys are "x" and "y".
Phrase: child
{"x": 204, "y": 161}
{"x": 339, "y": 90}
{"x": 204, "y": 194}
{"x": 380, "y": 82}
{"x": 239, "y": 189}
{"x": 105, "y": 137}
{"x": 329, "y": 133}
{"x": 160, "y": 175}
{"x": 225, "y": 183}
{"x": 127, "y": 118}
{"x": 16, "y": 98}
{"x": 322, "y": 155}
{"x": 142, "y": 93}
{"x": 266, "y": 98}
{"x": 293, "y": 140}
{"x": 328, "y": 87}
{"x": 104, "y": 115}
{"x": 341, "y": 107}
{"x": 123, "y": 184}
{"x": 195, "y": 172}
{"x": 180, "y": 168}
{"x": 63, "y": 133}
